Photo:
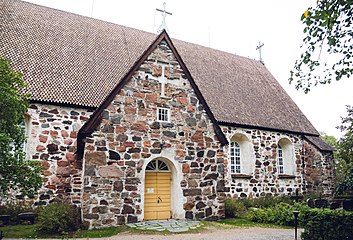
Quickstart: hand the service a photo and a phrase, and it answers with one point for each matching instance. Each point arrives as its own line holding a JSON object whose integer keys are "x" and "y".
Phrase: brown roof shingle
{"x": 319, "y": 143}
{"x": 72, "y": 59}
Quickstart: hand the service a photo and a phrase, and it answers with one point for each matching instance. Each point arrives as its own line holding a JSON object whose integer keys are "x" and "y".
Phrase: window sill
{"x": 286, "y": 176}
{"x": 239, "y": 175}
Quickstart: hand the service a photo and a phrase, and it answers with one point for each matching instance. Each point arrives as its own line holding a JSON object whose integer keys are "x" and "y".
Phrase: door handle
{"x": 159, "y": 200}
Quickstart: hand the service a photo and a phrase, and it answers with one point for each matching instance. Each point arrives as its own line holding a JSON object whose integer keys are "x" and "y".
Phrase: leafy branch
{"x": 328, "y": 28}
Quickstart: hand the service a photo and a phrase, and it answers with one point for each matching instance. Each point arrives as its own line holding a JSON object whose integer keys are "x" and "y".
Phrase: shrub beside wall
{"x": 325, "y": 224}
{"x": 280, "y": 214}
{"x": 58, "y": 218}
{"x": 318, "y": 223}
{"x": 234, "y": 208}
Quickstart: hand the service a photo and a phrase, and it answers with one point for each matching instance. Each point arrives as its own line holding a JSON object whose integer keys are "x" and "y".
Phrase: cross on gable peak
{"x": 164, "y": 15}
{"x": 259, "y": 48}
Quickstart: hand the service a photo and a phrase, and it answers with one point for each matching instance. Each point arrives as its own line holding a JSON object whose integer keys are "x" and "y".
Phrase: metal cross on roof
{"x": 164, "y": 15}
{"x": 259, "y": 48}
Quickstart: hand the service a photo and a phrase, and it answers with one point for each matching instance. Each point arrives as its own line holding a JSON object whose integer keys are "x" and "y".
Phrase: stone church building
{"x": 131, "y": 126}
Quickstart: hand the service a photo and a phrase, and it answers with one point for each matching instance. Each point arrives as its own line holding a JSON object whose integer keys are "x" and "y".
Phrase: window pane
{"x": 280, "y": 160}
{"x": 235, "y": 161}
{"x": 151, "y": 165}
{"x": 163, "y": 115}
{"x": 162, "y": 166}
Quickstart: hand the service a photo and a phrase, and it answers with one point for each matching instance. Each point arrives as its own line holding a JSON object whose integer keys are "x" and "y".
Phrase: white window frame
{"x": 235, "y": 157}
{"x": 286, "y": 164}
{"x": 163, "y": 115}
{"x": 280, "y": 160}
{"x": 25, "y": 126}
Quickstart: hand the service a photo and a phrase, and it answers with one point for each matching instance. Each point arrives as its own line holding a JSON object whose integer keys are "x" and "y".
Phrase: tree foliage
{"x": 16, "y": 173}
{"x": 330, "y": 140}
{"x": 345, "y": 153}
{"x": 328, "y": 28}
{"x": 342, "y": 167}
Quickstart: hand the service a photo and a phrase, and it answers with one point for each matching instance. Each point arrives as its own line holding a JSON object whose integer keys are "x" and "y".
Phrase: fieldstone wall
{"x": 130, "y": 136}
{"x": 52, "y": 132}
{"x": 313, "y": 169}
{"x": 319, "y": 172}
{"x": 264, "y": 179}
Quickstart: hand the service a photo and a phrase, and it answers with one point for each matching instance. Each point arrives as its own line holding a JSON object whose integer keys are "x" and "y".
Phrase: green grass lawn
{"x": 29, "y": 231}
{"x": 19, "y": 231}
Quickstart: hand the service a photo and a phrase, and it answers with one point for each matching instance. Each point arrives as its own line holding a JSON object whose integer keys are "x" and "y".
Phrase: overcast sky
{"x": 234, "y": 26}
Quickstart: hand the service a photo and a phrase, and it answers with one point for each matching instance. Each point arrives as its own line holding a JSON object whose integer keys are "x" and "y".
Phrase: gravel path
{"x": 253, "y": 233}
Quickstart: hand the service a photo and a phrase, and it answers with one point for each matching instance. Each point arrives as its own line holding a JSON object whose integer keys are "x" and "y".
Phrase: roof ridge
{"x": 136, "y": 29}
{"x": 215, "y": 49}
{"x": 86, "y": 17}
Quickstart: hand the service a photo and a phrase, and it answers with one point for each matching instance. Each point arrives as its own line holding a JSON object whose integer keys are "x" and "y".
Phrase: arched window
{"x": 157, "y": 165}
{"x": 285, "y": 157}
{"x": 235, "y": 158}
{"x": 241, "y": 155}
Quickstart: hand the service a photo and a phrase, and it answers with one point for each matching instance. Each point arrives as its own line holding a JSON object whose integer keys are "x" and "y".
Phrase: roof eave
{"x": 328, "y": 148}
{"x": 232, "y": 124}
{"x": 63, "y": 104}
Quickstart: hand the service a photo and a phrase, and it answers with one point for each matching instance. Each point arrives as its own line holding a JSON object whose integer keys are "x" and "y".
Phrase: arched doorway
{"x": 157, "y": 190}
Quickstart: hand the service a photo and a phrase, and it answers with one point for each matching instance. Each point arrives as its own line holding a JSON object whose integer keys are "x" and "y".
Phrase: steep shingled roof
{"x": 319, "y": 143}
{"x": 72, "y": 59}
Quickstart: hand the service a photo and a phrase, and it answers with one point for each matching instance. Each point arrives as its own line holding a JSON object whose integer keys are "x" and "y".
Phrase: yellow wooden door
{"x": 157, "y": 195}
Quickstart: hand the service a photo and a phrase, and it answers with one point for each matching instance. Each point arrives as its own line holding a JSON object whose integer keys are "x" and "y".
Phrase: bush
{"x": 325, "y": 224}
{"x": 58, "y": 218}
{"x": 265, "y": 201}
{"x": 235, "y": 208}
{"x": 15, "y": 208}
{"x": 280, "y": 214}
{"x": 311, "y": 195}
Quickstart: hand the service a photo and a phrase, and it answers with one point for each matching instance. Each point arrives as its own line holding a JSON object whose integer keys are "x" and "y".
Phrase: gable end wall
{"x": 129, "y": 136}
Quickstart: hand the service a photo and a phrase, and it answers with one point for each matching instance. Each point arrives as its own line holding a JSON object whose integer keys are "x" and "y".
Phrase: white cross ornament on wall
{"x": 163, "y": 81}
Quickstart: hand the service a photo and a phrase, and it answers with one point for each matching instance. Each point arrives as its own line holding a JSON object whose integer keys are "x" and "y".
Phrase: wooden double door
{"x": 157, "y": 195}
